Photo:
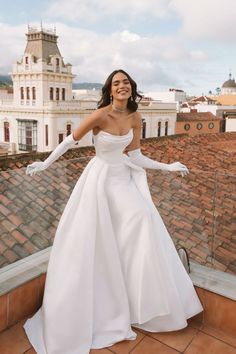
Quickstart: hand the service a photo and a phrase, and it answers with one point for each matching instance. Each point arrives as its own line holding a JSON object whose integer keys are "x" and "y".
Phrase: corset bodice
{"x": 110, "y": 147}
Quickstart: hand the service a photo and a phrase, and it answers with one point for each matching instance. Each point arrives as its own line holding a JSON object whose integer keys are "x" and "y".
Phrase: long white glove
{"x": 60, "y": 150}
{"x": 143, "y": 161}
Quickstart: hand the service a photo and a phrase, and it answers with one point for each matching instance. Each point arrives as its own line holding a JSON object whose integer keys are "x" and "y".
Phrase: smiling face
{"x": 120, "y": 87}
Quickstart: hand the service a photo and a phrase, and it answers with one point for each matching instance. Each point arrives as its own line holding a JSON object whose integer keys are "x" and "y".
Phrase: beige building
{"x": 195, "y": 123}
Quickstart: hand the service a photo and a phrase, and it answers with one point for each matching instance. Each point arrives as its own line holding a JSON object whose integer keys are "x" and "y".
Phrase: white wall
{"x": 230, "y": 125}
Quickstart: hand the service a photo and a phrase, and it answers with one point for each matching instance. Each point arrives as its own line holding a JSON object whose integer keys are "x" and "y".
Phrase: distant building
{"x": 173, "y": 95}
{"x": 159, "y": 118}
{"x": 86, "y": 95}
{"x": 229, "y": 86}
{"x": 43, "y": 109}
{"x": 6, "y": 93}
{"x": 222, "y": 106}
{"x": 195, "y": 123}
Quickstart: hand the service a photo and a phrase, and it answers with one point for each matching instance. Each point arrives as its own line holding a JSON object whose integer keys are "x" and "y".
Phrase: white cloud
{"x": 155, "y": 62}
{"x": 95, "y": 10}
{"x": 198, "y": 55}
{"x": 206, "y": 19}
{"x": 151, "y": 60}
{"x": 127, "y": 36}
{"x": 12, "y": 45}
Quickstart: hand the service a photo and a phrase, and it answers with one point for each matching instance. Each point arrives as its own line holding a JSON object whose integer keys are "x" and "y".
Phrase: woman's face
{"x": 120, "y": 87}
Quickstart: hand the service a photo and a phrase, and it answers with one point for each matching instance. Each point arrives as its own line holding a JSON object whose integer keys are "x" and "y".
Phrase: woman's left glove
{"x": 143, "y": 161}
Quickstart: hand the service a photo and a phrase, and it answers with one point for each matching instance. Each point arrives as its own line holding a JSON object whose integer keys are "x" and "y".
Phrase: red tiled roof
{"x": 203, "y": 99}
{"x": 196, "y": 116}
{"x": 194, "y": 208}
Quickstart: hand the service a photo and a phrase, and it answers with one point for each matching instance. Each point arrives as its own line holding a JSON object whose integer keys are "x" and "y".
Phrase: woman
{"x": 113, "y": 263}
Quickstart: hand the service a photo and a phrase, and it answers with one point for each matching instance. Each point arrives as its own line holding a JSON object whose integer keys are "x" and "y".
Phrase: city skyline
{"x": 161, "y": 43}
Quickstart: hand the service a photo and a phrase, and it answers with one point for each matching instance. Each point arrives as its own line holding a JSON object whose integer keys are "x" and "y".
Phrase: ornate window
{"x": 22, "y": 93}
{"x": 144, "y": 125}
{"x": 60, "y": 138}
{"x": 27, "y": 93}
{"x": 27, "y": 135}
{"x": 57, "y": 93}
{"x": 68, "y": 129}
{"x": 199, "y": 126}
{"x": 51, "y": 93}
{"x": 46, "y": 134}
{"x": 166, "y": 128}
{"x": 63, "y": 94}
{"x": 187, "y": 126}
{"x": 159, "y": 129}
{"x": 33, "y": 93}
{"x": 211, "y": 125}
{"x": 6, "y": 132}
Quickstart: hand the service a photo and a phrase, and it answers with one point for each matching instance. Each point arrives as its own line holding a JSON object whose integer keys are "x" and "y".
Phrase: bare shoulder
{"x": 98, "y": 115}
{"x": 92, "y": 122}
{"x": 102, "y": 115}
{"x": 137, "y": 120}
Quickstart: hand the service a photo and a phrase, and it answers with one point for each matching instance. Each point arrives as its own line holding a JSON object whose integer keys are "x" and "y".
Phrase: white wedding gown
{"x": 112, "y": 264}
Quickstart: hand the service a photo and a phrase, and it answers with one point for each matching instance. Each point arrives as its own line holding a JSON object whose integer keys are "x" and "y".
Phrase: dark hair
{"x": 106, "y": 92}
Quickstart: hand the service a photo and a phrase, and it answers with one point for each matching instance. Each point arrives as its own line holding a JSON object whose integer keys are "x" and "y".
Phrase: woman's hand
{"x": 35, "y": 167}
{"x": 179, "y": 167}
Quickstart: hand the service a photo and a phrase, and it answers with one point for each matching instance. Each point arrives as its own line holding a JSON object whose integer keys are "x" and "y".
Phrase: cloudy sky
{"x": 185, "y": 44}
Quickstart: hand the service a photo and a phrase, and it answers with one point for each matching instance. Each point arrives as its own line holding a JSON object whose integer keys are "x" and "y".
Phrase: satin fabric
{"x": 112, "y": 264}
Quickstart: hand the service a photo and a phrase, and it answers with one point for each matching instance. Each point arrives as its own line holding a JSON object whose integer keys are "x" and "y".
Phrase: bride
{"x": 113, "y": 264}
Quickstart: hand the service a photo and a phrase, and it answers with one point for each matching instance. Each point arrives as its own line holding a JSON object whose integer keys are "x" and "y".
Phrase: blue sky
{"x": 184, "y": 44}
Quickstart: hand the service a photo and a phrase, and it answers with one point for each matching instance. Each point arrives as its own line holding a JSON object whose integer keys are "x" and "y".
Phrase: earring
{"x": 111, "y": 98}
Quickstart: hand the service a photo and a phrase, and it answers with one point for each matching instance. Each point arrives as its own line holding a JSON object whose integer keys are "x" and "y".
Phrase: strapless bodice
{"x": 110, "y": 147}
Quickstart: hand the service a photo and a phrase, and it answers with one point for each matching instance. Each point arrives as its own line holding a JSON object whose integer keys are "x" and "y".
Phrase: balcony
{"x": 199, "y": 212}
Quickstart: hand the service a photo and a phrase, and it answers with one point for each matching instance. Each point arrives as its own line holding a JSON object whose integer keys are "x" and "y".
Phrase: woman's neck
{"x": 119, "y": 106}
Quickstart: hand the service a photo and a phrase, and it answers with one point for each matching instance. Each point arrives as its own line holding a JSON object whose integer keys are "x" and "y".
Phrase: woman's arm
{"x": 90, "y": 122}
{"x": 139, "y": 159}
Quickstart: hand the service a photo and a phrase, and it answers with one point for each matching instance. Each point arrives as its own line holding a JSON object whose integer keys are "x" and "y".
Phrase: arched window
{"x": 57, "y": 93}
{"x": 51, "y": 93}
{"x": 33, "y": 93}
{"x": 22, "y": 93}
{"x": 60, "y": 138}
{"x": 27, "y": 93}
{"x": 159, "y": 129}
{"x": 166, "y": 128}
{"x": 144, "y": 128}
{"x": 46, "y": 134}
{"x": 68, "y": 129}
{"x": 6, "y": 132}
{"x": 63, "y": 94}
{"x": 57, "y": 64}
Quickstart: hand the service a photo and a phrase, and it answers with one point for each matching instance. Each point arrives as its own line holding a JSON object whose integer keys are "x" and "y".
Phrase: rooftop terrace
{"x": 198, "y": 210}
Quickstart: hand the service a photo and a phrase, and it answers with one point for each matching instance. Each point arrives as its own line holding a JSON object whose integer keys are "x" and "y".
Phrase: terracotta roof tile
{"x": 31, "y": 207}
{"x": 196, "y": 116}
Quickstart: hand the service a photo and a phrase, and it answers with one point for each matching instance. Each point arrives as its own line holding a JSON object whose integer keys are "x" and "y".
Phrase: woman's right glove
{"x": 38, "y": 166}
{"x": 140, "y": 160}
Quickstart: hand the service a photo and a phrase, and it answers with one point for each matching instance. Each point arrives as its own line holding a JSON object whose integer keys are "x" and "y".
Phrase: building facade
{"x": 195, "y": 123}
{"x": 44, "y": 110}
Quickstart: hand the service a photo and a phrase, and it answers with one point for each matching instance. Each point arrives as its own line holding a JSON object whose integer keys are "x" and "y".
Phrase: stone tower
{"x": 41, "y": 75}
